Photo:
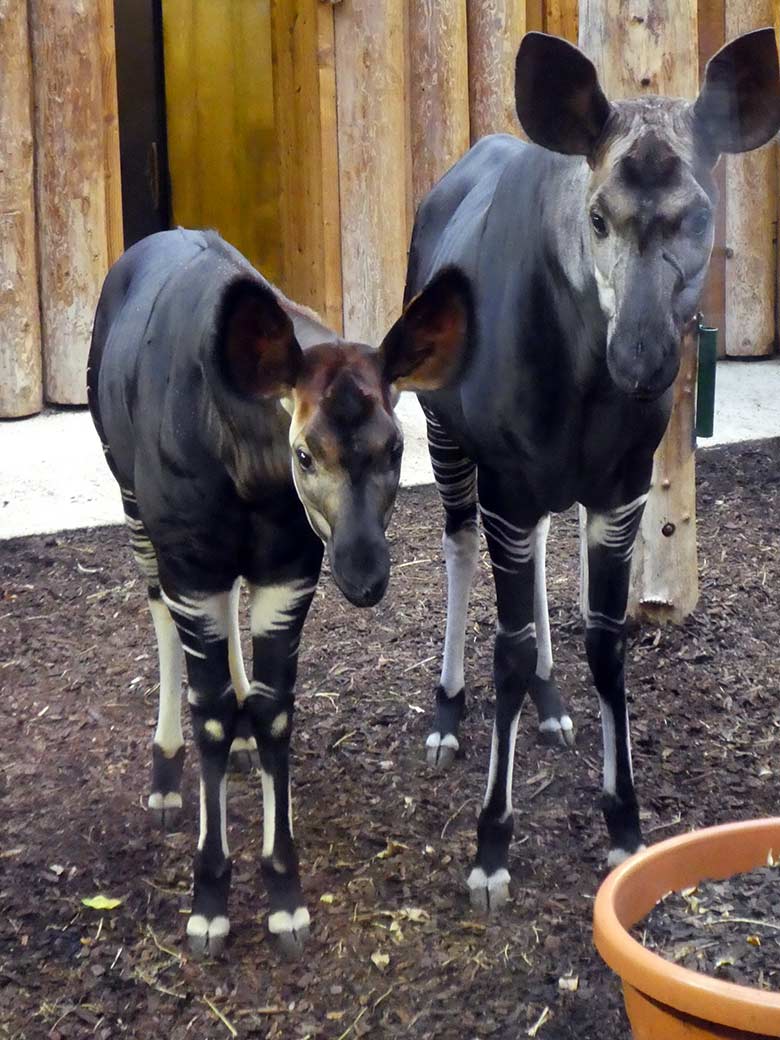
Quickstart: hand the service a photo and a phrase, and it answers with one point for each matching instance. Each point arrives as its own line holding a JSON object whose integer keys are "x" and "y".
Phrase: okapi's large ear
{"x": 259, "y": 353}
{"x": 429, "y": 345}
{"x": 560, "y": 103}
{"x": 738, "y": 108}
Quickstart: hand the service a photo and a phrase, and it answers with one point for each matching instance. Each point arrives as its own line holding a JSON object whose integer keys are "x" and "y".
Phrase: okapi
{"x": 245, "y": 435}
{"x": 586, "y": 250}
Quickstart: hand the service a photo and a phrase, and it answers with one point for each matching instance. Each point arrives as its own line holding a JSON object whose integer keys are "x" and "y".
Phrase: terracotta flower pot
{"x": 663, "y": 1000}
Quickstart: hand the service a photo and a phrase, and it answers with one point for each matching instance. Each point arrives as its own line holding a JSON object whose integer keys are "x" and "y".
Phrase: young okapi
{"x": 587, "y": 251}
{"x": 244, "y": 435}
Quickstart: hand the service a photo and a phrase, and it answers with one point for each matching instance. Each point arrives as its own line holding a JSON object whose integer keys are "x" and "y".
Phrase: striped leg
{"x": 278, "y": 612}
{"x": 168, "y": 746}
{"x": 243, "y": 751}
{"x": 511, "y": 545}
{"x": 610, "y": 543}
{"x": 203, "y": 623}
{"x": 455, "y": 476}
{"x": 555, "y": 725}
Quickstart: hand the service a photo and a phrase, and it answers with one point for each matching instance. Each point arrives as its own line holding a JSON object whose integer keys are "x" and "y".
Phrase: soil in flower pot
{"x": 727, "y": 929}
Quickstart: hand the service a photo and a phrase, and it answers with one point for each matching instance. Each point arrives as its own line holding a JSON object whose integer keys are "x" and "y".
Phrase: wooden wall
{"x": 220, "y": 112}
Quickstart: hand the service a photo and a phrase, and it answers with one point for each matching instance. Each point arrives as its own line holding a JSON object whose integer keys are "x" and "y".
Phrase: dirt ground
{"x": 385, "y": 842}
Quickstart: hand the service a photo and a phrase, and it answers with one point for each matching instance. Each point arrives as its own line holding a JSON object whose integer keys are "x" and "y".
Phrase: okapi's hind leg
{"x": 555, "y": 725}
{"x": 455, "y": 476}
{"x": 168, "y": 746}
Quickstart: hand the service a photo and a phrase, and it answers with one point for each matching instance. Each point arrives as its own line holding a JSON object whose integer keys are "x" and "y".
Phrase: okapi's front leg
{"x": 555, "y": 725}
{"x": 203, "y": 623}
{"x": 511, "y": 552}
{"x": 243, "y": 750}
{"x": 610, "y": 542}
{"x": 456, "y": 480}
{"x": 278, "y": 612}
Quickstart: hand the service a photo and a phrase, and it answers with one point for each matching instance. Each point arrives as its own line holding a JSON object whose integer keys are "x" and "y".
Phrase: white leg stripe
{"x": 510, "y": 769}
{"x": 274, "y": 606}
{"x": 269, "y": 813}
{"x": 608, "y": 736}
{"x": 282, "y": 921}
{"x": 461, "y": 553}
{"x": 238, "y": 674}
{"x": 544, "y": 657}
{"x": 202, "y": 834}
{"x": 212, "y": 611}
{"x": 168, "y": 734}
{"x": 493, "y": 768}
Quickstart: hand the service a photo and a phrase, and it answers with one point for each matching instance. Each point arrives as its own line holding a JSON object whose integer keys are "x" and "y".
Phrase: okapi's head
{"x": 345, "y": 442}
{"x": 647, "y": 213}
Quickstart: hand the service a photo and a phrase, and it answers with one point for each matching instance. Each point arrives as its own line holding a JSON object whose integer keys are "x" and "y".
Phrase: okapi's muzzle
{"x": 643, "y": 365}
{"x": 360, "y": 565}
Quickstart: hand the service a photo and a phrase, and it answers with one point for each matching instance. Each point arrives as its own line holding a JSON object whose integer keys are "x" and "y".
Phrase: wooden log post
{"x": 438, "y": 89}
{"x": 304, "y": 68}
{"x": 751, "y": 190}
{"x": 561, "y": 18}
{"x": 495, "y": 28}
{"x": 20, "y": 333}
{"x": 69, "y": 52}
{"x": 652, "y": 48}
{"x": 712, "y": 36}
{"x": 374, "y": 162}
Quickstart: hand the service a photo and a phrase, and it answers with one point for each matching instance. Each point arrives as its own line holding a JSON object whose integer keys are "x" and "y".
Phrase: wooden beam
{"x": 657, "y": 53}
{"x": 495, "y": 29}
{"x": 70, "y": 186}
{"x": 307, "y": 149}
{"x": 373, "y": 174}
{"x": 439, "y": 89}
{"x": 712, "y": 36}
{"x": 111, "y": 156}
{"x": 751, "y": 190}
{"x": 561, "y": 18}
{"x": 20, "y": 330}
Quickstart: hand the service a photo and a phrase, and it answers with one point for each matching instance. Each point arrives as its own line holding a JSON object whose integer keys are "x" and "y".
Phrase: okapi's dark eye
{"x": 700, "y": 222}
{"x": 599, "y": 224}
{"x": 304, "y": 459}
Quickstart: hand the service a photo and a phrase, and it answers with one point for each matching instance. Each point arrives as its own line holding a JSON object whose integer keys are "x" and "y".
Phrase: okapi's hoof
{"x": 488, "y": 893}
{"x": 244, "y": 756}
{"x": 557, "y": 732}
{"x": 165, "y": 810}
{"x": 440, "y": 750}
{"x": 290, "y": 931}
{"x": 206, "y": 938}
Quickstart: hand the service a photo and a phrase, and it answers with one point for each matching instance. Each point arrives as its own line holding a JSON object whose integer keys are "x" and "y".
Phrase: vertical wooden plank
{"x": 495, "y": 28}
{"x": 305, "y": 112}
{"x": 751, "y": 189}
{"x": 70, "y": 187}
{"x": 330, "y": 302}
{"x": 111, "y": 158}
{"x": 535, "y": 15}
{"x": 20, "y": 332}
{"x": 372, "y": 130}
{"x": 561, "y": 18}
{"x": 179, "y": 43}
{"x": 639, "y": 49}
{"x": 438, "y": 89}
{"x": 712, "y": 29}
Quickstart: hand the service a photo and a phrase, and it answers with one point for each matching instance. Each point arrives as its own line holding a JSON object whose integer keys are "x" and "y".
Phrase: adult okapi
{"x": 244, "y": 435}
{"x": 586, "y": 250}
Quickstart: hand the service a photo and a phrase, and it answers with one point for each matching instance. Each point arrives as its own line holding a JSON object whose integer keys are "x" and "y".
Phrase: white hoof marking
{"x": 618, "y": 856}
{"x": 169, "y": 800}
{"x": 282, "y": 921}
{"x": 479, "y": 879}
{"x": 279, "y": 725}
{"x": 198, "y": 927}
{"x": 243, "y": 744}
{"x": 437, "y": 740}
